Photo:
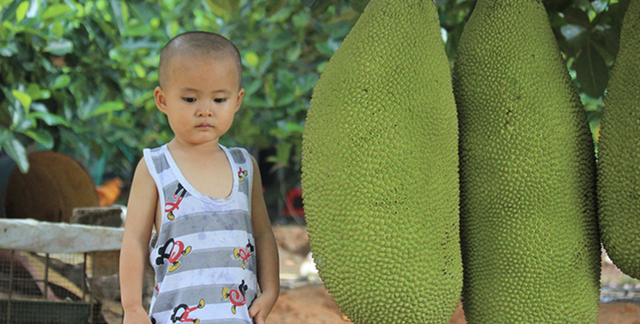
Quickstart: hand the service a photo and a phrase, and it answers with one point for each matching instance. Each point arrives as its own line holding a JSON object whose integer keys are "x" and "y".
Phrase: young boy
{"x": 213, "y": 243}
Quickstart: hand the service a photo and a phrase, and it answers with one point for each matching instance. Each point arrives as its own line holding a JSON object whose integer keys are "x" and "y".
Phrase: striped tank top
{"x": 203, "y": 254}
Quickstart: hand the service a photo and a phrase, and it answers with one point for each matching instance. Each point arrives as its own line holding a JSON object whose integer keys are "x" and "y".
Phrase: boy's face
{"x": 200, "y": 98}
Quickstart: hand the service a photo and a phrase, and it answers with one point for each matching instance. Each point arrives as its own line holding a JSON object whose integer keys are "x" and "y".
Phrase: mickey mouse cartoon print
{"x": 235, "y": 296}
{"x": 181, "y": 313}
{"x": 243, "y": 254}
{"x": 169, "y": 207}
{"x": 172, "y": 250}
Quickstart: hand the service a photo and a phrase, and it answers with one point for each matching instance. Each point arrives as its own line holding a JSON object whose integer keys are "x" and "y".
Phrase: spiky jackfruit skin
{"x": 619, "y": 152}
{"x": 529, "y": 235}
{"x": 379, "y": 170}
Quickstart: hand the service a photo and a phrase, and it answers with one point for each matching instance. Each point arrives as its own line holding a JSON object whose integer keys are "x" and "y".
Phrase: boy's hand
{"x": 136, "y": 316}
{"x": 261, "y": 307}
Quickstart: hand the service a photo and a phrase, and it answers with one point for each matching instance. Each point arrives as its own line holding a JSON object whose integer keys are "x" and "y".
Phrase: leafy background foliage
{"x": 78, "y": 76}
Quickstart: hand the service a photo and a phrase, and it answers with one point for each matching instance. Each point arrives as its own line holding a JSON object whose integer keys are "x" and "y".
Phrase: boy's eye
{"x": 220, "y": 100}
{"x": 189, "y": 100}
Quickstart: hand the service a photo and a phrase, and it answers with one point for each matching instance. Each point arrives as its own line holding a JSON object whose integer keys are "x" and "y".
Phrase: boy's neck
{"x": 208, "y": 148}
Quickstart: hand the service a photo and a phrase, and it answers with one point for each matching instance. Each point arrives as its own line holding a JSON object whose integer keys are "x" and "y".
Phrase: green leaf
{"x": 286, "y": 99}
{"x": 61, "y": 81}
{"x": 139, "y": 101}
{"x": 118, "y": 10}
{"x": 55, "y": 11}
{"x": 265, "y": 65}
{"x": 283, "y": 152}
{"x": 302, "y": 19}
{"x": 36, "y": 94}
{"x": 16, "y": 111}
{"x": 576, "y": 38}
{"x": 321, "y": 66}
{"x": 15, "y": 150}
{"x": 348, "y": 15}
{"x": 252, "y": 87}
{"x": 321, "y": 7}
{"x": 325, "y": 49}
{"x": 281, "y": 41}
{"x": 618, "y": 10}
{"x": 281, "y": 15}
{"x": 24, "y": 99}
{"x": 576, "y": 16}
{"x": 59, "y": 47}
{"x": 229, "y": 6}
{"x": 57, "y": 29}
{"x": 107, "y": 107}
{"x": 308, "y": 82}
{"x": 273, "y": 6}
{"x": 252, "y": 59}
{"x": 278, "y": 133}
{"x": 592, "y": 72}
{"x": 140, "y": 71}
{"x": 256, "y": 102}
{"x": 293, "y": 127}
{"x": 22, "y": 125}
{"x": 217, "y": 10}
{"x": 9, "y": 50}
{"x": 21, "y": 12}
{"x": 38, "y": 106}
{"x": 294, "y": 53}
{"x": 50, "y": 119}
{"x": 175, "y": 28}
{"x": 41, "y": 136}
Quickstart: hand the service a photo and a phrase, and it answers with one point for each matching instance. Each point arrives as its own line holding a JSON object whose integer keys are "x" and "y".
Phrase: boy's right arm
{"x": 134, "y": 254}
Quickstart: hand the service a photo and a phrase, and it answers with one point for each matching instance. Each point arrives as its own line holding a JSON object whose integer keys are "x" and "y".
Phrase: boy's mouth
{"x": 204, "y": 125}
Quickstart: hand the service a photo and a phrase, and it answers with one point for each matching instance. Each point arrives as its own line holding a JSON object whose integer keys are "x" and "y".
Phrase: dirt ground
{"x": 303, "y": 298}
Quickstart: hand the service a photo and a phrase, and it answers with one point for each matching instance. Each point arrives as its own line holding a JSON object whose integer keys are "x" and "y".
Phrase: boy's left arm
{"x": 266, "y": 253}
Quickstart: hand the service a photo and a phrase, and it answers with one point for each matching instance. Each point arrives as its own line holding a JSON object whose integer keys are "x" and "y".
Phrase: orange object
{"x": 293, "y": 204}
{"x": 109, "y": 192}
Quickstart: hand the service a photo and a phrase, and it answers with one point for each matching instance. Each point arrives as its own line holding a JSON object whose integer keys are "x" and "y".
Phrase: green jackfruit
{"x": 379, "y": 170}
{"x": 619, "y": 152}
{"x": 529, "y": 235}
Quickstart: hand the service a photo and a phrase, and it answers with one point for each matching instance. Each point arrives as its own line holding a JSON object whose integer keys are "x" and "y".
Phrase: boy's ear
{"x": 161, "y": 100}
{"x": 240, "y": 96}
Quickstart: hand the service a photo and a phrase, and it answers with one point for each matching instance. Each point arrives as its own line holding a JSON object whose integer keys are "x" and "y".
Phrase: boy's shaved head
{"x": 197, "y": 44}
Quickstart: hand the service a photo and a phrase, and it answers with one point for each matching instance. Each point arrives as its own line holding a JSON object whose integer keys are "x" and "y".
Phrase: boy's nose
{"x": 205, "y": 111}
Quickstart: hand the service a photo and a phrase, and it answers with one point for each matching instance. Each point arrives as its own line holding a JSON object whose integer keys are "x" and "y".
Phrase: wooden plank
{"x": 54, "y": 276}
{"x": 46, "y": 237}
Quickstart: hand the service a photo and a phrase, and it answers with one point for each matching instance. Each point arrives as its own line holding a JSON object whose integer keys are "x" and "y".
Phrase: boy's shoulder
{"x": 240, "y": 155}
{"x": 154, "y": 150}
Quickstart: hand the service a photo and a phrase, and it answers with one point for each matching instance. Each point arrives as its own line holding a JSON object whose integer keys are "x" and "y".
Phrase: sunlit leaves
{"x": 107, "y": 107}
{"x": 21, "y": 12}
{"x": 23, "y": 98}
{"x": 55, "y": 11}
{"x": 251, "y": 59}
{"x": 221, "y": 7}
{"x": 89, "y": 67}
{"x": 50, "y": 119}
